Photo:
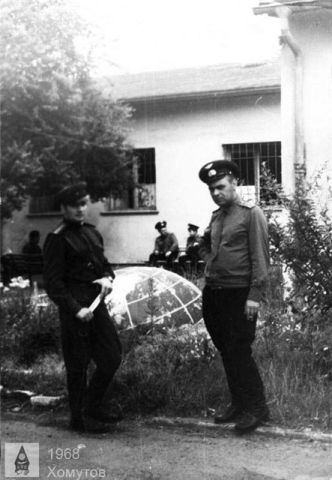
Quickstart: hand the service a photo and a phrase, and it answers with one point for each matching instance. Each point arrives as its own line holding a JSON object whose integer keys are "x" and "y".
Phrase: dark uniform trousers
{"x": 232, "y": 334}
{"x": 192, "y": 258}
{"x": 83, "y": 341}
{"x": 154, "y": 258}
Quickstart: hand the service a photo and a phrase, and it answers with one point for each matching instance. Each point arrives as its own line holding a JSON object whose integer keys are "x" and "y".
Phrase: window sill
{"x": 129, "y": 212}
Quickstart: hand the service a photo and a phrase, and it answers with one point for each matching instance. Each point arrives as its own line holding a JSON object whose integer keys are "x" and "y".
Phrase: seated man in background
{"x": 32, "y": 246}
{"x": 192, "y": 248}
{"x": 166, "y": 246}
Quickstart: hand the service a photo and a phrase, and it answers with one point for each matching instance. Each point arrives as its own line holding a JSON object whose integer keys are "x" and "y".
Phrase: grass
{"x": 178, "y": 371}
{"x": 45, "y": 376}
{"x": 163, "y": 380}
{"x": 297, "y": 397}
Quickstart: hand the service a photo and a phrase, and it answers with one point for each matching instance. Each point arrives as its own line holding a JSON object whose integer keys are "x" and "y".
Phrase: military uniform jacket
{"x": 237, "y": 251}
{"x": 193, "y": 244}
{"x": 166, "y": 243}
{"x": 73, "y": 259}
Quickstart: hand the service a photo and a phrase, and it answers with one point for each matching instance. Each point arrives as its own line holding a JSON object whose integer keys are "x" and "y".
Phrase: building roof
{"x": 270, "y": 7}
{"x": 210, "y": 81}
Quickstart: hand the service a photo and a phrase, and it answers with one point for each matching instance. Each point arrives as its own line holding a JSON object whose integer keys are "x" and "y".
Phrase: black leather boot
{"x": 249, "y": 421}
{"x": 231, "y": 414}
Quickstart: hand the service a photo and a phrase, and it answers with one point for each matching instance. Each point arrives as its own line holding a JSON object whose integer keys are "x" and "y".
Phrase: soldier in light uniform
{"x": 235, "y": 248}
{"x": 75, "y": 272}
{"x": 166, "y": 246}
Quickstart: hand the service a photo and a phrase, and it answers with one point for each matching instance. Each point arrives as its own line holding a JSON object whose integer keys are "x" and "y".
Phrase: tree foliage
{"x": 57, "y": 124}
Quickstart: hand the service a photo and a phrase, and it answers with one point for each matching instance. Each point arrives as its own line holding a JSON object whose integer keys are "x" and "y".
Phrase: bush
{"x": 304, "y": 242}
{"x": 294, "y": 353}
{"x": 29, "y": 331}
{"x": 173, "y": 370}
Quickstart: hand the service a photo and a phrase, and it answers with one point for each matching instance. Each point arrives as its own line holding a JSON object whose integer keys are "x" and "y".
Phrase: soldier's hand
{"x": 156, "y": 252}
{"x": 251, "y": 309}
{"x": 207, "y": 234}
{"x": 106, "y": 284}
{"x": 167, "y": 254}
{"x": 85, "y": 315}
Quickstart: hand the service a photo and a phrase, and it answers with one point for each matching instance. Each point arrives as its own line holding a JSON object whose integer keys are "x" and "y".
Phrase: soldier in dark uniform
{"x": 75, "y": 272}
{"x": 166, "y": 246}
{"x": 191, "y": 254}
{"x": 235, "y": 248}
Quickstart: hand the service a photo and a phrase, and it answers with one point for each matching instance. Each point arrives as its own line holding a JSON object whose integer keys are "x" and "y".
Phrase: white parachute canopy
{"x": 143, "y": 295}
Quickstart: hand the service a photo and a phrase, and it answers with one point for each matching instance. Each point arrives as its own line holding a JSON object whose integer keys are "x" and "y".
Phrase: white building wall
{"x": 312, "y": 30}
{"x": 185, "y": 136}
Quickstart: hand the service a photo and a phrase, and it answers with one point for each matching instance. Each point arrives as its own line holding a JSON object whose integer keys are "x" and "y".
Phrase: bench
{"x": 188, "y": 268}
{"x": 20, "y": 265}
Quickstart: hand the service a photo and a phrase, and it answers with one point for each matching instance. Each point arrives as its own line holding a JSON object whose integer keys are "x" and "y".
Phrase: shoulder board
{"x": 215, "y": 214}
{"x": 247, "y": 204}
{"x": 59, "y": 229}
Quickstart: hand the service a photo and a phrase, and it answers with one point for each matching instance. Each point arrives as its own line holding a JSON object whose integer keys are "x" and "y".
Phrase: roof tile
{"x": 195, "y": 81}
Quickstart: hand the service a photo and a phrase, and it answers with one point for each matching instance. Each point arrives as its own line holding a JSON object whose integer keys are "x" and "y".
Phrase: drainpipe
{"x": 286, "y": 38}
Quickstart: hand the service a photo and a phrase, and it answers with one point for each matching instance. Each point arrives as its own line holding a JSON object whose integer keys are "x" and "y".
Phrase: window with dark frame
{"x": 251, "y": 158}
{"x": 44, "y": 204}
{"x": 143, "y": 195}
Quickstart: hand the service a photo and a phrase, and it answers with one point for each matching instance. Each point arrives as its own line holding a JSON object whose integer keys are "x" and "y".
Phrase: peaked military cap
{"x": 217, "y": 169}
{"x": 72, "y": 194}
{"x": 160, "y": 225}
{"x": 191, "y": 226}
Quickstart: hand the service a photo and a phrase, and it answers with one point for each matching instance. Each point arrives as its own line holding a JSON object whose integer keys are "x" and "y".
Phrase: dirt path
{"x": 135, "y": 451}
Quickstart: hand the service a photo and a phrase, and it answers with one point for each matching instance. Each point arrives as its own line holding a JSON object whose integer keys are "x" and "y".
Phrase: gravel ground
{"x": 135, "y": 450}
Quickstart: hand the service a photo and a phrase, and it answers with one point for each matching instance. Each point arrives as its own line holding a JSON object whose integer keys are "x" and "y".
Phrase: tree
{"x": 57, "y": 125}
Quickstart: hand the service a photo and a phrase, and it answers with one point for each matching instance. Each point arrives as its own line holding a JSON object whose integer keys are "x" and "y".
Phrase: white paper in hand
{"x": 95, "y": 303}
